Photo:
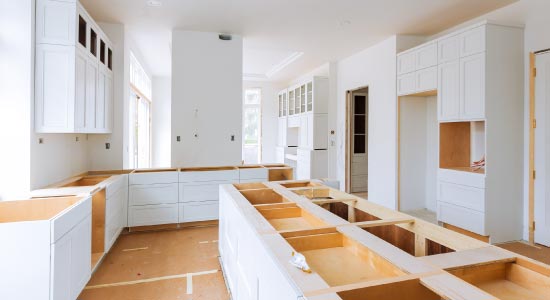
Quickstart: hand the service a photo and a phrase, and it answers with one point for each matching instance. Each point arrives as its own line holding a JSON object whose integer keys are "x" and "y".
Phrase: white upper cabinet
{"x": 472, "y": 87}
{"x": 448, "y": 49}
{"x": 406, "y": 63}
{"x": 426, "y": 56}
{"x": 448, "y": 94}
{"x": 73, "y": 75}
{"x": 472, "y": 41}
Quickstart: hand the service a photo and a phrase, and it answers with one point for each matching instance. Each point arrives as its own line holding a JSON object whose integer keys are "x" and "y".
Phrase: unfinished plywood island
{"x": 356, "y": 250}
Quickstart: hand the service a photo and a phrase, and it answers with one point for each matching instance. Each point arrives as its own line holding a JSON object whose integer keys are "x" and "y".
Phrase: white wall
{"x": 16, "y": 75}
{"x": 270, "y": 113}
{"x": 161, "y": 122}
{"x": 374, "y": 67}
{"x": 206, "y": 99}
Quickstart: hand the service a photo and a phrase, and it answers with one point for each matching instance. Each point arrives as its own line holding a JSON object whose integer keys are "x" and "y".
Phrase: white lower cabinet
{"x": 158, "y": 214}
{"x": 198, "y": 211}
{"x": 312, "y": 164}
{"x": 71, "y": 259}
{"x": 148, "y": 194}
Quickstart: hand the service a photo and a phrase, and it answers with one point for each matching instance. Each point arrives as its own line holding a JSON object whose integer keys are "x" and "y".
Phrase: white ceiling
{"x": 275, "y": 31}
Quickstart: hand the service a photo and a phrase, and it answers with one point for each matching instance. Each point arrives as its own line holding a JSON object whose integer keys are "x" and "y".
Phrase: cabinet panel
{"x": 472, "y": 87}
{"x": 465, "y": 218}
{"x": 206, "y": 176}
{"x": 406, "y": 84}
{"x": 406, "y": 63}
{"x": 101, "y": 105}
{"x": 200, "y": 192}
{"x": 448, "y": 49}
{"x": 461, "y": 195}
{"x": 80, "y": 93}
{"x": 153, "y": 215}
{"x": 426, "y": 80}
{"x": 472, "y": 41}
{"x": 448, "y": 95}
{"x": 426, "y": 56}
{"x": 318, "y": 132}
{"x": 153, "y": 177}
{"x": 153, "y": 194}
{"x": 304, "y": 132}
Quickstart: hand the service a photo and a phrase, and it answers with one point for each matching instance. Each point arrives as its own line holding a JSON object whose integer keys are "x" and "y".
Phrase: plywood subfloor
{"x": 290, "y": 223}
{"x": 537, "y": 252}
{"x": 339, "y": 266}
{"x": 138, "y": 262}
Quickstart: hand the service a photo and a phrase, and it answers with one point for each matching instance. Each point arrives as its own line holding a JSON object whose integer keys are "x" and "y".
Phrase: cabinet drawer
{"x": 461, "y": 195}
{"x": 65, "y": 222}
{"x": 462, "y": 178}
{"x": 144, "y": 194}
{"x": 204, "y": 176}
{"x": 406, "y": 63}
{"x": 200, "y": 192}
{"x": 426, "y": 56}
{"x": 448, "y": 49}
{"x": 153, "y": 177}
{"x": 472, "y": 41}
{"x": 406, "y": 84}
{"x": 153, "y": 215}
{"x": 294, "y": 121}
{"x": 426, "y": 80}
{"x": 253, "y": 173}
{"x": 198, "y": 211}
{"x": 465, "y": 218}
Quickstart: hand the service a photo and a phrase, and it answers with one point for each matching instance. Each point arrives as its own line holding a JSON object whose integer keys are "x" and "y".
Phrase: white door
{"x": 542, "y": 149}
{"x": 359, "y": 143}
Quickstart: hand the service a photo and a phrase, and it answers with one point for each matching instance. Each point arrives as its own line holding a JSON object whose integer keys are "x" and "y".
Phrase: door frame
{"x": 348, "y": 138}
{"x": 532, "y": 126}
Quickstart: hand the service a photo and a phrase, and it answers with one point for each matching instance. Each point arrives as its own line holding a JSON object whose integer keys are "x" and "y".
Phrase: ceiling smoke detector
{"x": 154, "y": 3}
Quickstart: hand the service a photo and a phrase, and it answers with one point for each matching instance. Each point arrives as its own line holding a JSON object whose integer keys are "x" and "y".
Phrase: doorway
{"x": 541, "y": 209}
{"x": 357, "y": 120}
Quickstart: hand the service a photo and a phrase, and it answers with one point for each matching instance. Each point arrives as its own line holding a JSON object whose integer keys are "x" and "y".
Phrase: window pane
{"x": 252, "y": 96}
{"x": 251, "y": 119}
{"x": 359, "y": 144}
{"x": 360, "y": 107}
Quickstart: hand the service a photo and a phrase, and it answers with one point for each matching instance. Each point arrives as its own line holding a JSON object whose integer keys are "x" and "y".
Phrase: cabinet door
{"x": 472, "y": 41}
{"x": 55, "y": 22}
{"x": 100, "y": 103}
{"x": 426, "y": 56}
{"x": 472, "y": 87}
{"x": 426, "y": 80}
{"x": 91, "y": 94}
{"x": 406, "y": 63}
{"x": 71, "y": 262}
{"x": 406, "y": 84}
{"x": 304, "y": 132}
{"x": 80, "y": 93}
{"x": 109, "y": 103}
{"x": 448, "y": 95}
{"x": 448, "y": 49}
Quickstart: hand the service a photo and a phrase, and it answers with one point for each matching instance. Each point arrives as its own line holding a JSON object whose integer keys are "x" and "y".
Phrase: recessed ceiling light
{"x": 344, "y": 23}
{"x": 154, "y": 3}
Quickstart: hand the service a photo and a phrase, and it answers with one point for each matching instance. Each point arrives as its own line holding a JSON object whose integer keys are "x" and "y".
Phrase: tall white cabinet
{"x": 480, "y": 115}
{"x": 303, "y": 127}
{"x": 73, "y": 75}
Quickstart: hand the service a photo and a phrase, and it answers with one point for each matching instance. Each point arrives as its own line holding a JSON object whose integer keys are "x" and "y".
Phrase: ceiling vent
{"x": 225, "y": 37}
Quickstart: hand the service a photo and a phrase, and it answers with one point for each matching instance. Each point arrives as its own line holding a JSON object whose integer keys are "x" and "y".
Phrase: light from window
{"x": 252, "y": 124}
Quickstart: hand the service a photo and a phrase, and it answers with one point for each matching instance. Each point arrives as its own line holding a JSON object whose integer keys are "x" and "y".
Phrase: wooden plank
{"x": 393, "y": 221}
{"x": 472, "y": 257}
{"x": 454, "y": 288}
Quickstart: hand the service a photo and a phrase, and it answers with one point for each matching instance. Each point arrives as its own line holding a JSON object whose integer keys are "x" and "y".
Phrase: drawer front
{"x": 153, "y": 177}
{"x": 65, "y": 222}
{"x": 426, "y": 80}
{"x": 114, "y": 187}
{"x": 294, "y": 121}
{"x": 253, "y": 173}
{"x": 204, "y": 176}
{"x": 145, "y": 194}
{"x": 406, "y": 63}
{"x": 472, "y": 41}
{"x": 462, "y": 178}
{"x": 406, "y": 84}
{"x": 153, "y": 215}
{"x": 426, "y": 56}
{"x": 448, "y": 49}
{"x": 465, "y": 218}
{"x": 198, "y": 211}
{"x": 461, "y": 195}
{"x": 200, "y": 192}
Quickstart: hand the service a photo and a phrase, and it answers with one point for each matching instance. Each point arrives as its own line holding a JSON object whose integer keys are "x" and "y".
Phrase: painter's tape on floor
{"x": 186, "y": 275}
{"x": 189, "y": 284}
{"x": 135, "y": 249}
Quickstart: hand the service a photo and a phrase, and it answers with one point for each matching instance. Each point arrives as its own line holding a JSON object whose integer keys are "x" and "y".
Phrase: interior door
{"x": 359, "y": 142}
{"x": 542, "y": 150}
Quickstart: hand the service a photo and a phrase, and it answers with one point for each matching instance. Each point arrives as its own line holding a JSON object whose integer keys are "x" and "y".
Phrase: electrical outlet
{"x": 178, "y": 138}
{"x": 107, "y": 146}
{"x": 40, "y": 140}
{"x": 232, "y": 137}
{"x": 77, "y": 138}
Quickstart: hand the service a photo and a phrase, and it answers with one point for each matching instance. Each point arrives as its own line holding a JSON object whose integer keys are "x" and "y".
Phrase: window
{"x": 93, "y": 43}
{"x": 102, "y": 52}
{"x": 82, "y": 31}
{"x": 140, "y": 116}
{"x": 252, "y": 126}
